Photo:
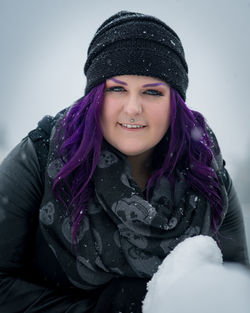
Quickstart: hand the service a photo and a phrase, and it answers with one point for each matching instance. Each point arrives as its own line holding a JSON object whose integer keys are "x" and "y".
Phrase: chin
{"x": 132, "y": 152}
{"x": 131, "y": 147}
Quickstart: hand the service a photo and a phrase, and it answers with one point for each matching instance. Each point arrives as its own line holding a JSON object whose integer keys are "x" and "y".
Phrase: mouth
{"x": 132, "y": 126}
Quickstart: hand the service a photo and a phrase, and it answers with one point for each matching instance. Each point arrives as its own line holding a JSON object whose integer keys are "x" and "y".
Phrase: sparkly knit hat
{"x": 131, "y": 43}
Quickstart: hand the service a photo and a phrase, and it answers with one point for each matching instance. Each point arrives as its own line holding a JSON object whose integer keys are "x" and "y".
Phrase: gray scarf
{"x": 121, "y": 233}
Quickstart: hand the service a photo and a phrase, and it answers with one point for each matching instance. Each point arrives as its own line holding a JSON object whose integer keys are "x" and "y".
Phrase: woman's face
{"x": 145, "y": 100}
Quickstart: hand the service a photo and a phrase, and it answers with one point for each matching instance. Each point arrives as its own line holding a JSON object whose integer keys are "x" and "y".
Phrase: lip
{"x": 132, "y": 129}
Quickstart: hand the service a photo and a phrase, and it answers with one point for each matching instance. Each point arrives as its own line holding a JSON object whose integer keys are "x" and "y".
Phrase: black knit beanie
{"x": 131, "y": 43}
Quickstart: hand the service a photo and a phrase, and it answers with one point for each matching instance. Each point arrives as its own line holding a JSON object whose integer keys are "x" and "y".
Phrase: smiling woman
{"x": 94, "y": 199}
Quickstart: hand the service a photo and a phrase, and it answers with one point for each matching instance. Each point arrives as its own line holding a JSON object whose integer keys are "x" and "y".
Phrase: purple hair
{"x": 188, "y": 147}
{"x": 80, "y": 138}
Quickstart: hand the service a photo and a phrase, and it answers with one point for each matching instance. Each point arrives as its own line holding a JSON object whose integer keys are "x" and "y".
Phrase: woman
{"x": 94, "y": 199}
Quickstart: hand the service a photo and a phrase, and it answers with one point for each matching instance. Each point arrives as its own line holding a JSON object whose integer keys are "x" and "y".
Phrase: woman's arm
{"x": 21, "y": 190}
{"x": 232, "y": 231}
{"x": 231, "y": 234}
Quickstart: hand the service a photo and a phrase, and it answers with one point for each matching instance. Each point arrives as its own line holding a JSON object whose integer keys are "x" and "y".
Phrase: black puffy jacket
{"x": 31, "y": 279}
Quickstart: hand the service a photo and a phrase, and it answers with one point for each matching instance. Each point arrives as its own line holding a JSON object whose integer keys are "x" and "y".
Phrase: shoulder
{"x": 45, "y": 125}
{"x": 20, "y": 178}
{"x": 215, "y": 147}
{"x": 40, "y": 137}
{"x": 19, "y": 155}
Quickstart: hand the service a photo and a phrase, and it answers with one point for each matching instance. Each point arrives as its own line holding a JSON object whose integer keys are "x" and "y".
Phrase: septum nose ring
{"x": 132, "y": 120}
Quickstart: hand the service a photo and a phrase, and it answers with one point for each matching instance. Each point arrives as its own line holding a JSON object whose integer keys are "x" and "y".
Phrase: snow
{"x": 196, "y": 133}
{"x": 194, "y": 279}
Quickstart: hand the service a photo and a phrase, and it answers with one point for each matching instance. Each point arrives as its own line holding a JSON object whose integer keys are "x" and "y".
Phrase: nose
{"x": 132, "y": 105}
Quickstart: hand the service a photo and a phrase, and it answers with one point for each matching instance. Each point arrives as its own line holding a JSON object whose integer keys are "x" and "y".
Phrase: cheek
{"x": 108, "y": 116}
{"x": 162, "y": 118}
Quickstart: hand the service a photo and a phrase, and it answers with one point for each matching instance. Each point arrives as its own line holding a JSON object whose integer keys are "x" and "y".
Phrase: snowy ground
{"x": 193, "y": 279}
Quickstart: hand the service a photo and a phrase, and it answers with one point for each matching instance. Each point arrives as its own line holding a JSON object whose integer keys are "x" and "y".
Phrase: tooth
{"x": 132, "y": 126}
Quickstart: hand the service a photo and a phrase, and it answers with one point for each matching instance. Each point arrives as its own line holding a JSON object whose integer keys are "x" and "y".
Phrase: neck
{"x": 141, "y": 169}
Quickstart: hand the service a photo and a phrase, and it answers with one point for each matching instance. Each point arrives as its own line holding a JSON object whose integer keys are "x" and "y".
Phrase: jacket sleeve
{"x": 231, "y": 235}
{"x": 232, "y": 231}
{"x": 21, "y": 190}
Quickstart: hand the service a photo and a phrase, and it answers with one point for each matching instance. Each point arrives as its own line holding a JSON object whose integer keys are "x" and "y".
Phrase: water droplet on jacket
{"x": 23, "y": 156}
{"x": 5, "y": 200}
{"x": 196, "y": 133}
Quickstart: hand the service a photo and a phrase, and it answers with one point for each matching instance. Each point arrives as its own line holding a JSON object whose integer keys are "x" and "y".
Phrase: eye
{"x": 115, "y": 89}
{"x": 153, "y": 92}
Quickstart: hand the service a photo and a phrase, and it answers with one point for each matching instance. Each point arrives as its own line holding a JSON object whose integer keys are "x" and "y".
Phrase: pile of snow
{"x": 194, "y": 279}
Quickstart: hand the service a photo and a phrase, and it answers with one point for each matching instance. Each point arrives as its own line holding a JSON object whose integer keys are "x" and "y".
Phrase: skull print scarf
{"x": 121, "y": 233}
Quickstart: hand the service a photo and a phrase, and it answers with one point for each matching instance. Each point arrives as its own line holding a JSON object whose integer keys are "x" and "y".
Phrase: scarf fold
{"x": 122, "y": 234}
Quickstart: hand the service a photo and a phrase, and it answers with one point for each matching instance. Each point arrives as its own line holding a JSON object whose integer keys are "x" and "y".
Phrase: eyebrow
{"x": 118, "y": 81}
{"x": 153, "y": 85}
{"x": 146, "y": 85}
